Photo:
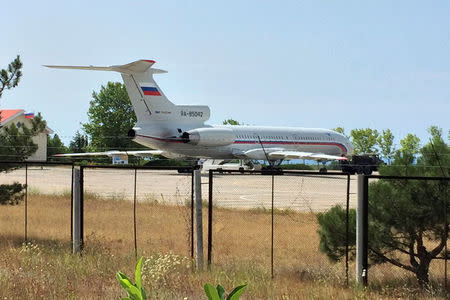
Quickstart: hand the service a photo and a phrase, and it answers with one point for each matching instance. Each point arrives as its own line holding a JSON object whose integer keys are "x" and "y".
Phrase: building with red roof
{"x": 20, "y": 118}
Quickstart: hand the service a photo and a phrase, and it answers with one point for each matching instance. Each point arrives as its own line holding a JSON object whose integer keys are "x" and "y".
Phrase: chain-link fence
{"x": 255, "y": 220}
{"x": 148, "y": 209}
{"x": 270, "y": 221}
{"x": 42, "y": 210}
{"x": 153, "y": 204}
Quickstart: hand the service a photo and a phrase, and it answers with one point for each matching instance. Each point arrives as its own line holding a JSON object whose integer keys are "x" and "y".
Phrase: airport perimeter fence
{"x": 407, "y": 223}
{"x": 45, "y": 212}
{"x": 268, "y": 221}
{"x": 145, "y": 209}
{"x": 253, "y": 219}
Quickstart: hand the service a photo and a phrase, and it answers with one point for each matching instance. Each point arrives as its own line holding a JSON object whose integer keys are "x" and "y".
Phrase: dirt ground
{"x": 301, "y": 193}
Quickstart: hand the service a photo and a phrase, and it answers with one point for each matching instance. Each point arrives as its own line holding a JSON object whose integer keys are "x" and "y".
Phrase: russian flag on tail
{"x": 150, "y": 91}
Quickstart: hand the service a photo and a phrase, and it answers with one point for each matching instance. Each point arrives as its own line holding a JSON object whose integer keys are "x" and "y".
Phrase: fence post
{"x": 71, "y": 205}
{"x": 446, "y": 239}
{"x": 134, "y": 214}
{"x": 210, "y": 216}
{"x": 271, "y": 242}
{"x": 362, "y": 229}
{"x": 77, "y": 240}
{"x": 26, "y": 202}
{"x": 198, "y": 218}
{"x": 192, "y": 214}
{"x": 347, "y": 228}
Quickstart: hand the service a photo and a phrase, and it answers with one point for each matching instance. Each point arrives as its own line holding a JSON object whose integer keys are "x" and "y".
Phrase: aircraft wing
{"x": 287, "y": 155}
{"x": 145, "y": 153}
{"x": 142, "y": 153}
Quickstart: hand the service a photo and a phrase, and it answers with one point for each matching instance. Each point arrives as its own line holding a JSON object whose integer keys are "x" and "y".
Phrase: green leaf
{"x": 143, "y": 293}
{"x": 132, "y": 290}
{"x": 137, "y": 274}
{"x": 221, "y": 292}
{"x": 124, "y": 281}
{"x": 237, "y": 292}
{"x": 211, "y": 292}
{"x": 134, "y": 293}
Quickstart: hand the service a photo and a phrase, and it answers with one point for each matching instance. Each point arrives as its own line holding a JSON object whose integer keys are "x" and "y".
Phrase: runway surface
{"x": 301, "y": 193}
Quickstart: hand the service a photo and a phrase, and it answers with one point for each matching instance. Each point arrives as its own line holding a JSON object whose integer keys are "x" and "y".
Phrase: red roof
{"x": 5, "y": 114}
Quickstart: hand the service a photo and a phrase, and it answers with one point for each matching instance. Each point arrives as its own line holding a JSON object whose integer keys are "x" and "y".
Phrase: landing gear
{"x": 367, "y": 170}
{"x": 323, "y": 170}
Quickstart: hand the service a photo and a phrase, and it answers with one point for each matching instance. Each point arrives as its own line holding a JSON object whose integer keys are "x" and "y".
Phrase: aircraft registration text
{"x": 191, "y": 114}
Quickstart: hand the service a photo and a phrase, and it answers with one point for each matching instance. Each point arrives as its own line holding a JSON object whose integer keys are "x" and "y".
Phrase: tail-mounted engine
{"x": 209, "y": 137}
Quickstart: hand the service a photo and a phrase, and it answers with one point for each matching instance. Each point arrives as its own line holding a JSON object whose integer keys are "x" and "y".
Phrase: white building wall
{"x": 41, "y": 152}
{"x": 40, "y": 139}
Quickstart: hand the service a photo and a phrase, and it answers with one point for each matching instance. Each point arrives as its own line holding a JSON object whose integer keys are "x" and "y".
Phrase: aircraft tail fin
{"x": 149, "y": 102}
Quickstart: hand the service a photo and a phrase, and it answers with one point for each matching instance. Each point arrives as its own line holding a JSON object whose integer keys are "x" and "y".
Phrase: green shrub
{"x": 11, "y": 193}
{"x": 135, "y": 291}
{"x": 219, "y": 292}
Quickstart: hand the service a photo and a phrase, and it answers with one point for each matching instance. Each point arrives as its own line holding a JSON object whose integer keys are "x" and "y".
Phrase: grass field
{"x": 44, "y": 268}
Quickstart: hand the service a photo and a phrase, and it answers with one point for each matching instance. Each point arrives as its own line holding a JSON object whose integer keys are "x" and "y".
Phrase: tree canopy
{"x": 364, "y": 140}
{"x": 230, "y": 122}
{"x": 110, "y": 117}
{"x": 385, "y": 142}
{"x": 16, "y": 143}
{"x": 10, "y": 77}
{"x": 406, "y": 217}
{"x": 369, "y": 140}
{"x": 55, "y": 146}
{"x": 79, "y": 143}
{"x": 340, "y": 130}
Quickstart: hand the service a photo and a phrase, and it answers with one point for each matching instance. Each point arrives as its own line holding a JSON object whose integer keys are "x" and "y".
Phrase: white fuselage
{"x": 248, "y": 138}
{"x": 180, "y": 130}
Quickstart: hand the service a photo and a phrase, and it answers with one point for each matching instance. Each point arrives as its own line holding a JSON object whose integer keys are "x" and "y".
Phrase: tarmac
{"x": 306, "y": 193}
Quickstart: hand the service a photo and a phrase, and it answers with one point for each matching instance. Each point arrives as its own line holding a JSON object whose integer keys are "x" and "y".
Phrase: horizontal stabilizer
{"x": 139, "y": 66}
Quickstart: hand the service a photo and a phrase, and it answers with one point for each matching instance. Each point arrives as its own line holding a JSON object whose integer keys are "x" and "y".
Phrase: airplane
{"x": 179, "y": 131}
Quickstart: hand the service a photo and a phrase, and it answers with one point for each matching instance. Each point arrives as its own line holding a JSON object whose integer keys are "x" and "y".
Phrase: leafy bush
{"x": 219, "y": 292}
{"x": 11, "y": 193}
{"x": 135, "y": 291}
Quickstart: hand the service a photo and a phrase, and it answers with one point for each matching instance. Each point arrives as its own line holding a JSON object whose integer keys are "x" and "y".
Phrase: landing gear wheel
{"x": 323, "y": 170}
{"x": 367, "y": 171}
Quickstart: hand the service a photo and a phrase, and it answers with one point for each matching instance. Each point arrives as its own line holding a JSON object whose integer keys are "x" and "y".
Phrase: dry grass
{"x": 46, "y": 269}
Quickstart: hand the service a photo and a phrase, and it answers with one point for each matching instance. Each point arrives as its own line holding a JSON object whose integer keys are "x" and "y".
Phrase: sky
{"x": 354, "y": 64}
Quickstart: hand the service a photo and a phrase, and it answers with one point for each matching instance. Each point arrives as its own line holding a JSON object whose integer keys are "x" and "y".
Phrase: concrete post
{"x": 77, "y": 210}
{"x": 362, "y": 231}
{"x": 198, "y": 218}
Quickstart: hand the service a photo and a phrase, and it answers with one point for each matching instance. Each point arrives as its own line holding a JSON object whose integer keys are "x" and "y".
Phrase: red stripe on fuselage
{"x": 344, "y": 150}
